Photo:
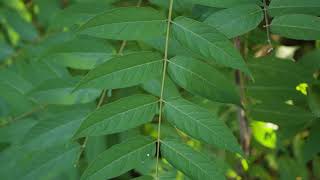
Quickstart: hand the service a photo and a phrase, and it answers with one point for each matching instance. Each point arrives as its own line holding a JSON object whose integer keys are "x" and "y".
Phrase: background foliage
{"x": 159, "y": 89}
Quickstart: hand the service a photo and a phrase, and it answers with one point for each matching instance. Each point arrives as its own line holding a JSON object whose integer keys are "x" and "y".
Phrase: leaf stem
{"x": 164, "y": 72}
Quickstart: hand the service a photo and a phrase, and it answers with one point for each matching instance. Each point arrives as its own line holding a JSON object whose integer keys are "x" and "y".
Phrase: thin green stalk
{"x": 164, "y": 72}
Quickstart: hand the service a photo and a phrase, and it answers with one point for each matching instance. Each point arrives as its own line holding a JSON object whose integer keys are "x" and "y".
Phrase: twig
{"x": 26, "y": 114}
{"x": 267, "y": 25}
{"x": 164, "y": 72}
{"x": 245, "y": 134}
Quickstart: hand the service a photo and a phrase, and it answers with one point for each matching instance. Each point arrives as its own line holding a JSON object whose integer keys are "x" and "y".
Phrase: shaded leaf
{"x": 297, "y": 26}
{"x": 55, "y": 130}
{"x": 224, "y": 3}
{"x": 281, "y": 7}
{"x": 77, "y": 14}
{"x": 60, "y": 91}
{"x": 41, "y": 164}
{"x": 276, "y": 80}
{"x": 314, "y": 98}
{"x": 80, "y": 53}
{"x": 311, "y": 146}
{"x": 311, "y": 61}
{"x": 6, "y": 50}
{"x": 281, "y": 114}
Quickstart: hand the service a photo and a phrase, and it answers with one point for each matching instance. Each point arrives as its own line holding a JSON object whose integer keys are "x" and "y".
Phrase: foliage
{"x": 159, "y": 89}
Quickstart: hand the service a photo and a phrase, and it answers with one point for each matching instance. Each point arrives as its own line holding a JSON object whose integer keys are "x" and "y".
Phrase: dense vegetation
{"x": 159, "y": 89}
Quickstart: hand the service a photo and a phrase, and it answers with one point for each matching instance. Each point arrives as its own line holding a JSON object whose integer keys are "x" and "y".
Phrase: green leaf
{"x": 119, "y": 116}
{"x": 175, "y": 48}
{"x": 143, "y": 178}
{"x": 297, "y": 26}
{"x": 55, "y": 130}
{"x": 311, "y": 61}
{"x": 25, "y": 29}
{"x": 127, "y": 23}
{"x": 237, "y": 20}
{"x": 120, "y": 158}
{"x": 281, "y": 114}
{"x": 200, "y": 78}
{"x": 291, "y": 168}
{"x": 281, "y": 7}
{"x": 224, "y": 3}
{"x": 205, "y": 40}
{"x": 47, "y": 10}
{"x": 40, "y": 164}
{"x": 95, "y": 145}
{"x": 276, "y": 80}
{"x": 60, "y": 91}
{"x": 311, "y": 147}
{"x": 77, "y": 14}
{"x": 178, "y": 5}
{"x": 39, "y": 72}
{"x": 6, "y": 50}
{"x": 124, "y": 71}
{"x": 80, "y": 53}
{"x": 14, "y": 89}
{"x": 200, "y": 124}
{"x": 15, "y": 132}
{"x": 192, "y": 163}
{"x": 154, "y": 87}
{"x": 314, "y": 98}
